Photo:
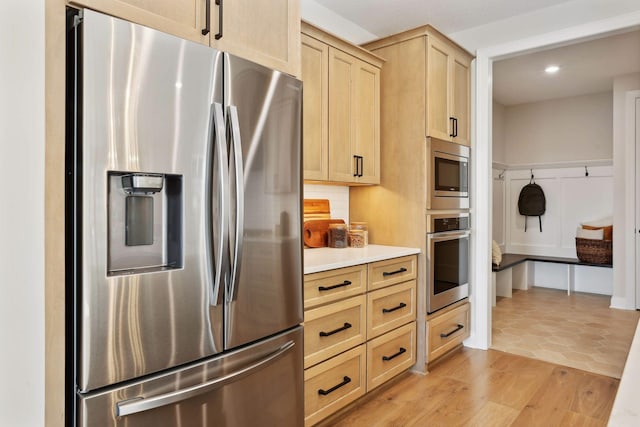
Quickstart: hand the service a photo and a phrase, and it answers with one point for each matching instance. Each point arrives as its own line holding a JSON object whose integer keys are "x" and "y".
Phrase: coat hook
{"x": 532, "y": 177}
{"x": 586, "y": 171}
{"x": 501, "y": 174}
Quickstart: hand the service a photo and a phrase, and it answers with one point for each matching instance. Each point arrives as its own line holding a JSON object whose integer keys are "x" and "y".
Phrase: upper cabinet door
{"x": 342, "y": 113}
{"x": 181, "y": 18}
{"x": 460, "y": 95}
{"x": 367, "y": 123}
{"x": 263, "y": 31}
{"x": 438, "y": 118}
{"x": 315, "y": 120}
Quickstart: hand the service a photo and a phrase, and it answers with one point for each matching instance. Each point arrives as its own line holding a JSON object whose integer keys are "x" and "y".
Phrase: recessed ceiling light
{"x": 551, "y": 69}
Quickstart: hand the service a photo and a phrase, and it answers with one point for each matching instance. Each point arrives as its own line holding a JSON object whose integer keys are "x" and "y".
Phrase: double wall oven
{"x": 448, "y": 246}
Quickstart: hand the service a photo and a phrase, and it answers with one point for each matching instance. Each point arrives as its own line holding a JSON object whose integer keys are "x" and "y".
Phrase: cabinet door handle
{"x": 447, "y": 335}
{"x": 361, "y": 165}
{"x": 452, "y": 120}
{"x": 339, "y": 285}
{"x": 391, "y": 310}
{"x": 207, "y": 19}
{"x": 393, "y": 356}
{"x": 335, "y": 331}
{"x": 345, "y": 380}
{"x": 391, "y": 273}
{"x": 355, "y": 159}
{"x": 218, "y": 36}
{"x": 455, "y": 127}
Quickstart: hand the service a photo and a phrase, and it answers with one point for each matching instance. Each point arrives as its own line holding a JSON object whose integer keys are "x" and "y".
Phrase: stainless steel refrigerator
{"x": 185, "y": 205}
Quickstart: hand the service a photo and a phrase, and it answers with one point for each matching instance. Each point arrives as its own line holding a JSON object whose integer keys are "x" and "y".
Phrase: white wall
{"x": 499, "y": 208}
{"x": 566, "y": 129}
{"x": 498, "y": 135}
{"x": 571, "y": 199}
{"x": 22, "y": 212}
{"x": 624, "y": 213}
{"x": 338, "y": 196}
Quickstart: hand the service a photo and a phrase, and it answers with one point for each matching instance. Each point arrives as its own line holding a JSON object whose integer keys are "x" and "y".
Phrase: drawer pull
{"x": 447, "y": 335}
{"x": 339, "y": 285}
{"x": 393, "y": 356}
{"x": 335, "y": 331}
{"x": 346, "y": 380}
{"x": 389, "y": 310}
{"x": 391, "y": 273}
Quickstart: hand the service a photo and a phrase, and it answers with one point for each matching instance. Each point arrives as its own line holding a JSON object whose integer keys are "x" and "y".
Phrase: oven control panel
{"x": 444, "y": 223}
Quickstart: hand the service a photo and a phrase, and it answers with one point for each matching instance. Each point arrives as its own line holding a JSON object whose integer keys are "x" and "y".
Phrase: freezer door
{"x": 263, "y": 117}
{"x": 260, "y": 385}
{"x": 148, "y": 212}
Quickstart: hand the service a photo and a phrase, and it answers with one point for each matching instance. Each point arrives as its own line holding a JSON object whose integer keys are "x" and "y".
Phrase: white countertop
{"x": 322, "y": 259}
{"x": 626, "y": 410}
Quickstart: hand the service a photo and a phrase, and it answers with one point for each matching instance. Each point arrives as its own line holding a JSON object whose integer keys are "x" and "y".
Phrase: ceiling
{"x": 586, "y": 67}
{"x": 386, "y": 17}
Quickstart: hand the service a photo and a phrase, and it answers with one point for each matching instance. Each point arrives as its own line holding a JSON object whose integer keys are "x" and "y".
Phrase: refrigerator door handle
{"x": 236, "y": 157}
{"x": 221, "y": 158}
{"x": 140, "y": 404}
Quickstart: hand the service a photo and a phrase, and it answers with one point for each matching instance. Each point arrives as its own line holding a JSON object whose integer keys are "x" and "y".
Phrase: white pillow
{"x": 496, "y": 253}
{"x": 590, "y": 234}
{"x": 602, "y": 222}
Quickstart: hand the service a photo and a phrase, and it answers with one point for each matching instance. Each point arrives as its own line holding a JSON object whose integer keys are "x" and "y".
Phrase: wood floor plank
{"x": 572, "y": 419}
{"x": 553, "y": 399}
{"x": 594, "y": 396}
{"x": 487, "y": 388}
{"x": 494, "y": 415}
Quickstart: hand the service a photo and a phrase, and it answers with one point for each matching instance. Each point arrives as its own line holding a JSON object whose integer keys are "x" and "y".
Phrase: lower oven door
{"x": 447, "y": 268}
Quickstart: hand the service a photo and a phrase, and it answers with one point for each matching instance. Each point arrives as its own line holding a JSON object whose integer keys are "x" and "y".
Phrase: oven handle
{"x": 449, "y": 235}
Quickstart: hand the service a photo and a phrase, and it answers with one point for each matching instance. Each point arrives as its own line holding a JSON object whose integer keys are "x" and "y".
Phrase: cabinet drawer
{"x": 447, "y": 331}
{"x": 328, "y": 286}
{"x": 334, "y": 328}
{"x": 391, "y": 271}
{"x": 390, "y": 355}
{"x": 334, "y": 384}
{"x": 390, "y": 307}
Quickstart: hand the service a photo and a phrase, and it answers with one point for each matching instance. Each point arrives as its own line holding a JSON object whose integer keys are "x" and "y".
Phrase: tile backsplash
{"x": 338, "y": 196}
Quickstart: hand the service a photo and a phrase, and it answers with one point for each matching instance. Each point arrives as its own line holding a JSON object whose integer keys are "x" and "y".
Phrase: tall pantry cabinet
{"x": 425, "y": 85}
{"x": 341, "y": 110}
{"x": 273, "y": 39}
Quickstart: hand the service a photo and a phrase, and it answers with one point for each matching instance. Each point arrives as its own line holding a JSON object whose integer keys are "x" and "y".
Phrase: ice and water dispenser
{"x": 145, "y": 222}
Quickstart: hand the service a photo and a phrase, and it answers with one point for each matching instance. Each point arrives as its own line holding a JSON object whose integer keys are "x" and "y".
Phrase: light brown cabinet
{"x": 357, "y": 335}
{"x": 447, "y": 91}
{"x": 341, "y": 110}
{"x": 447, "y": 330}
{"x": 265, "y": 31}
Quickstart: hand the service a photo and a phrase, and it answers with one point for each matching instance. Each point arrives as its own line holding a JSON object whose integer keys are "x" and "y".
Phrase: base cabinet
{"x": 333, "y": 384}
{"x": 447, "y": 330}
{"x": 355, "y": 343}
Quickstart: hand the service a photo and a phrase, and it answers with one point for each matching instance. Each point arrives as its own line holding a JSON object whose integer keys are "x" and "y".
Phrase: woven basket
{"x": 594, "y": 251}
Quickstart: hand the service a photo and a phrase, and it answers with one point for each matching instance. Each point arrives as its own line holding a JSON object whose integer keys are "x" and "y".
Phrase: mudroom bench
{"x": 514, "y": 272}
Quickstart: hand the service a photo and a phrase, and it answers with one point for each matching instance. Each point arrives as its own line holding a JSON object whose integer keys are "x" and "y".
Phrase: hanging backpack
{"x": 532, "y": 202}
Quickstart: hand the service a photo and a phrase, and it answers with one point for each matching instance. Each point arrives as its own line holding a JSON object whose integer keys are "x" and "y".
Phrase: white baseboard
{"x": 621, "y": 303}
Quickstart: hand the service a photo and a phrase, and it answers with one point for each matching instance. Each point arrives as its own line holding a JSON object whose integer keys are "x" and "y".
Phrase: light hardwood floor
{"x": 577, "y": 330}
{"x": 488, "y": 388}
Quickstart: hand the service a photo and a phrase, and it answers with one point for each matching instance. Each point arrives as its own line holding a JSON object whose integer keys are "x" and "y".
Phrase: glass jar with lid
{"x": 356, "y": 238}
{"x": 361, "y": 226}
{"x": 337, "y": 236}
